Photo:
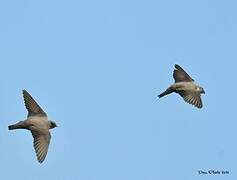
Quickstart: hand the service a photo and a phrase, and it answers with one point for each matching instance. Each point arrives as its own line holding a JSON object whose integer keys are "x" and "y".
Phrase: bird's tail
{"x": 166, "y": 92}
{"x": 19, "y": 125}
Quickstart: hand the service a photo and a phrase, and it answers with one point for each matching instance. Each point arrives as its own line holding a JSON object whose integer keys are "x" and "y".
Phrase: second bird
{"x": 37, "y": 122}
{"x": 184, "y": 85}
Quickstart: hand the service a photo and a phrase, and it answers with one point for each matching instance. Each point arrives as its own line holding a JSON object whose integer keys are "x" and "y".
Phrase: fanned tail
{"x": 19, "y": 125}
{"x": 11, "y": 127}
{"x": 166, "y": 92}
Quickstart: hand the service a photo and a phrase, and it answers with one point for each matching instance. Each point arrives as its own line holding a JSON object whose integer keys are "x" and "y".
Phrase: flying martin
{"x": 184, "y": 85}
{"x": 39, "y": 125}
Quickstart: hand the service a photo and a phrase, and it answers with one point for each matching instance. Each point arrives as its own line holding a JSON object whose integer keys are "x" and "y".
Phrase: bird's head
{"x": 52, "y": 124}
{"x": 201, "y": 90}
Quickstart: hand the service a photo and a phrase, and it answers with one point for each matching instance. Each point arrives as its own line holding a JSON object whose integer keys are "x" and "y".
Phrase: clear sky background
{"x": 96, "y": 68}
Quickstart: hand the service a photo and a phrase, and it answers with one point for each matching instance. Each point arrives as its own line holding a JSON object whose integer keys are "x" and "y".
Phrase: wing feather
{"x": 41, "y": 144}
{"x": 180, "y": 75}
{"x": 31, "y": 105}
{"x": 192, "y": 98}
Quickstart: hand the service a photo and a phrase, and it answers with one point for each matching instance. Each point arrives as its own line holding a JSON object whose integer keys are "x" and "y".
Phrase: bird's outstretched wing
{"x": 180, "y": 75}
{"x": 31, "y": 105}
{"x": 41, "y": 144}
{"x": 191, "y": 97}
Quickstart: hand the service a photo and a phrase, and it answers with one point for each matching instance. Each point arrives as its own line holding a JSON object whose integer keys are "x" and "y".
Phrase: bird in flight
{"x": 39, "y": 125}
{"x": 184, "y": 85}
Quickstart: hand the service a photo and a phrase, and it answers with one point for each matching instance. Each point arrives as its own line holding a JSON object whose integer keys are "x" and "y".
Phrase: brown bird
{"x": 184, "y": 85}
{"x": 39, "y": 125}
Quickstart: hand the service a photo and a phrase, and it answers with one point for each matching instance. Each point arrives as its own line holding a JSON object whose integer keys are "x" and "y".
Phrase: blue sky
{"x": 96, "y": 68}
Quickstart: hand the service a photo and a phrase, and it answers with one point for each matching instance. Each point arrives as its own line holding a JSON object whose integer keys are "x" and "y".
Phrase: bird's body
{"x": 39, "y": 125}
{"x": 32, "y": 123}
{"x": 184, "y": 85}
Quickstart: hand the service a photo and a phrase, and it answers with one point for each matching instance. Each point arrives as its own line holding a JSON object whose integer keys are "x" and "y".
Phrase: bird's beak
{"x": 203, "y": 91}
